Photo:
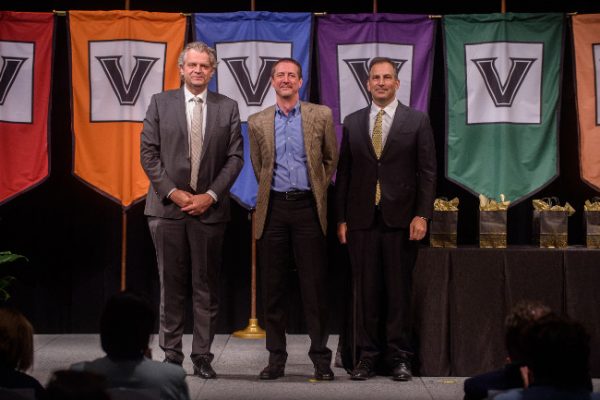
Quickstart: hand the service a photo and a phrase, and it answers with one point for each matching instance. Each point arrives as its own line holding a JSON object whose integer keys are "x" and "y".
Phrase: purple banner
{"x": 348, "y": 42}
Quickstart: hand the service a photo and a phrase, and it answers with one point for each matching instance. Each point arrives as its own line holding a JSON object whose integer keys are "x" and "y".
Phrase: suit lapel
{"x": 399, "y": 118}
{"x": 307, "y": 112}
{"x": 181, "y": 110}
{"x": 212, "y": 110}
{"x": 268, "y": 128}
{"x": 365, "y": 133}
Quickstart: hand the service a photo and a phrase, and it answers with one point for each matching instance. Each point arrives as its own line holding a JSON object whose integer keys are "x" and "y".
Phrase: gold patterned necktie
{"x": 195, "y": 141}
{"x": 377, "y": 139}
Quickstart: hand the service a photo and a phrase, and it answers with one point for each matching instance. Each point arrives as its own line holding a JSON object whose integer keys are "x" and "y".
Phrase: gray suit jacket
{"x": 165, "y": 149}
{"x": 321, "y": 156}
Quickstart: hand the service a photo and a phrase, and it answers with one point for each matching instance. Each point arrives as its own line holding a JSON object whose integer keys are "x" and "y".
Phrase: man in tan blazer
{"x": 294, "y": 154}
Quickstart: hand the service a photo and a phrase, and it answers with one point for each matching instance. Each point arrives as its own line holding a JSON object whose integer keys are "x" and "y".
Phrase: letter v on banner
{"x": 503, "y": 86}
{"x": 119, "y": 60}
{"x": 26, "y": 42}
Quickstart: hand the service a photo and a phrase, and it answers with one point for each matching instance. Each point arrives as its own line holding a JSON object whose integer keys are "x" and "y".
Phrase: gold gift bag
{"x": 492, "y": 222}
{"x": 444, "y": 223}
{"x": 492, "y": 229}
{"x": 591, "y": 215}
{"x": 553, "y": 227}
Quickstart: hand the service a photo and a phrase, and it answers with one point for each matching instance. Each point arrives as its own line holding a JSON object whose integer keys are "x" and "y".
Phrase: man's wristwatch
{"x": 423, "y": 218}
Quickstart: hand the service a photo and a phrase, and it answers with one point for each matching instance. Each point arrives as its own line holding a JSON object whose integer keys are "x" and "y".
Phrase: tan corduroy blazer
{"x": 321, "y": 156}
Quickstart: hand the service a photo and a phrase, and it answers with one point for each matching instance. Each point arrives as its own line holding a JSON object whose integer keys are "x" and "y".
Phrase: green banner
{"x": 503, "y": 74}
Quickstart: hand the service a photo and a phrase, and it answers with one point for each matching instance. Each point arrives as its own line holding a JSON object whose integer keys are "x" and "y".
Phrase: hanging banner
{"x": 586, "y": 46}
{"x": 26, "y": 42}
{"x": 503, "y": 87}
{"x": 119, "y": 59}
{"x": 248, "y": 43}
{"x": 348, "y": 42}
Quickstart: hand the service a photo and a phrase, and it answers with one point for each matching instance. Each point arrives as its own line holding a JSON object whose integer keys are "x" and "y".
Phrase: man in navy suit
{"x": 384, "y": 198}
{"x": 192, "y": 153}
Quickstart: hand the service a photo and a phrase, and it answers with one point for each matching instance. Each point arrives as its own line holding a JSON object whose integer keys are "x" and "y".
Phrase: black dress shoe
{"x": 204, "y": 370}
{"x": 171, "y": 361}
{"x": 401, "y": 372}
{"x": 323, "y": 373}
{"x": 363, "y": 371}
{"x": 272, "y": 371}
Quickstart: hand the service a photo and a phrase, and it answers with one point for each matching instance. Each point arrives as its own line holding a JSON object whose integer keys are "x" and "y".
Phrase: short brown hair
{"x": 290, "y": 60}
{"x": 16, "y": 339}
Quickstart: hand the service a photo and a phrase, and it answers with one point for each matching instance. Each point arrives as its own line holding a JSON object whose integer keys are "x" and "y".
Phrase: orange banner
{"x": 586, "y": 39}
{"x": 119, "y": 59}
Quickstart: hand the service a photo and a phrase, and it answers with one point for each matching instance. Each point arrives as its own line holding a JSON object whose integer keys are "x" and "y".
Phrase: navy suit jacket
{"x": 406, "y": 170}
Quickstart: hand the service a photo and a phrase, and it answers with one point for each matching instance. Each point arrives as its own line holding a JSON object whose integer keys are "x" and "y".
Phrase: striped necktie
{"x": 196, "y": 141}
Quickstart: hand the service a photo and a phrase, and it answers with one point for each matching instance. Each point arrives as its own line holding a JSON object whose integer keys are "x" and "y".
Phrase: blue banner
{"x": 248, "y": 43}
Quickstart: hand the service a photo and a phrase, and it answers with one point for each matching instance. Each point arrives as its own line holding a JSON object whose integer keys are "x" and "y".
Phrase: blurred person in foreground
{"x": 16, "y": 352}
{"x": 126, "y": 325}
{"x": 557, "y": 355}
{"x": 514, "y": 374}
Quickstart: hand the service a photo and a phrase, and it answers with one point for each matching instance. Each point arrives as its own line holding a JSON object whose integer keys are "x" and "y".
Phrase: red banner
{"x": 25, "y": 68}
{"x": 119, "y": 59}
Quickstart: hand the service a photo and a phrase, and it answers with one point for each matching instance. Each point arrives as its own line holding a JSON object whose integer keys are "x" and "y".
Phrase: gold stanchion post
{"x": 253, "y": 330}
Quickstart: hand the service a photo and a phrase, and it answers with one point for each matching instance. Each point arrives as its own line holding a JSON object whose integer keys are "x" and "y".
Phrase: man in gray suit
{"x": 192, "y": 153}
{"x": 294, "y": 153}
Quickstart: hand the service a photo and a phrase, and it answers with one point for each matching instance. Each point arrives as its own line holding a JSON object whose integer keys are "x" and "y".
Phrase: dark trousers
{"x": 187, "y": 247}
{"x": 293, "y": 226}
{"x": 382, "y": 261}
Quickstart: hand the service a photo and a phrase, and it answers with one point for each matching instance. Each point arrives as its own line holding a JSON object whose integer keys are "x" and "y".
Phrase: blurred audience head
{"x": 126, "y": 325}
{"x": 76, "y": 385}
{"x": 557, "y": 352}
{"x": 521, "y": 316}
{"x": 16, "y": 340}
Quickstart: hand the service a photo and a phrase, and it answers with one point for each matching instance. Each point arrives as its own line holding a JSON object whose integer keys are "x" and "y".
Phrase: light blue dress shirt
{"x": 290, "y": 172}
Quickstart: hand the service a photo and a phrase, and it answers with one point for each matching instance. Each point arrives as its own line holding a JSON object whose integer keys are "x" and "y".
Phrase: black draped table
{"x": 462, "y": 295}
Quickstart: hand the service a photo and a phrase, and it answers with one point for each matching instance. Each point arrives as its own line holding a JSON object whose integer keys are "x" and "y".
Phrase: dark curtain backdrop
{"x": 72, "y": 235}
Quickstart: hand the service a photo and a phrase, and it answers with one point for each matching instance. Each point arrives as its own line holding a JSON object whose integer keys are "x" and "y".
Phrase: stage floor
{"x": 238, "y": 362}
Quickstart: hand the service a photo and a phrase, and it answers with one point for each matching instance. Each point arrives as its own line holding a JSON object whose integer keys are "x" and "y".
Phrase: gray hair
{"x": 200, "y": 47}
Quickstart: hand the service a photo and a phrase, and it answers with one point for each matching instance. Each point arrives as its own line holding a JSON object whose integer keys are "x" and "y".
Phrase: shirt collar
{"x": 293, "y": 112}
{"x": 189, "y": 95}
{"x": 390, "y": 109}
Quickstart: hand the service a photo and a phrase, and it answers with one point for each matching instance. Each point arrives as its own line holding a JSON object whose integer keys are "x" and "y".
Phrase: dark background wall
{"x": 72, "y": 235}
